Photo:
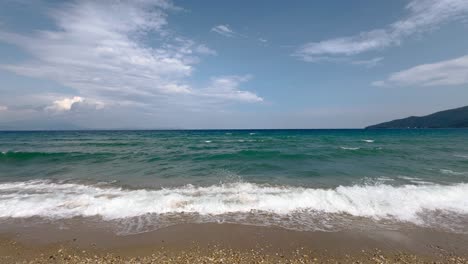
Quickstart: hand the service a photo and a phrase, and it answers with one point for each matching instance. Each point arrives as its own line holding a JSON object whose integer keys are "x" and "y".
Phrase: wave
{"x": 254, "y": 154}
{"x": 41, "y": 198}
{"x": 350, "y": 148}
{"x": 25, "y": 155}
{"x": 461, "y": 156}
{"x": 368, "y": 140}
{"x": 409, "y": 178}
{"x": 415, "y": 180}
{"x": 451, "y": 172}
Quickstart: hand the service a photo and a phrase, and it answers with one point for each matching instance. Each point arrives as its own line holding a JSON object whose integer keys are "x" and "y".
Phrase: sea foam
{"x": 451, "y": 172}
{"x": 350, "y": 148}
{"x": 66, "y": 200}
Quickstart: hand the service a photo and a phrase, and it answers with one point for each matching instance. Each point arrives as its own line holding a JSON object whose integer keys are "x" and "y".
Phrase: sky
{"x": 162, "y": 64}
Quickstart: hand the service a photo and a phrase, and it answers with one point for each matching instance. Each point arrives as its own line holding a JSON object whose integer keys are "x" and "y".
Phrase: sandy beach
{"x": 172, "y": 131}
{"x": 228, "y": 243}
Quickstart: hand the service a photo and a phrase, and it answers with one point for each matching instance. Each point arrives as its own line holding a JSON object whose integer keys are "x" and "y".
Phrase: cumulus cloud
{"x": 423, "y": 16}
{"x": 65, "y": 104}
{"x": 224, "y": 30}
{"x": 75, "y": 103}
{"x": 443, "y": 73}
{"x": 114, "y": 52}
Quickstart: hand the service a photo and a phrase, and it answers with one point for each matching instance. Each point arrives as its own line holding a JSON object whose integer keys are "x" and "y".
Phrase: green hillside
{"x": 453, "y": 118}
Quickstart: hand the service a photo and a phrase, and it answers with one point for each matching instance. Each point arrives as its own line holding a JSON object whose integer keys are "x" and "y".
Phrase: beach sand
{"x": 227, "y": 243}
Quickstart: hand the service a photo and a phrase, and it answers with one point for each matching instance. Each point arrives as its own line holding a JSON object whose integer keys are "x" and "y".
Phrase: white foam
{"x": 409, "y": 178}
{"x": 385, "y": 179}
{"x": 207, "y": 141}
{"x": 451, "y": 172}
{"x": 67, "y": 200}
{"x": 350, "y": 148}
{"x": 422, "y": 182}
{"x": 368, "y": 140}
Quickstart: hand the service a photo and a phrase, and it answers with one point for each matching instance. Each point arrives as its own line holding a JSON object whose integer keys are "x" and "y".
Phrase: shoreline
{"x": 229, "y": 241}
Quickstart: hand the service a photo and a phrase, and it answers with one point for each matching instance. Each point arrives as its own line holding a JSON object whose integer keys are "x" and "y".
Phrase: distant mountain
{"x": 453, "y": 118}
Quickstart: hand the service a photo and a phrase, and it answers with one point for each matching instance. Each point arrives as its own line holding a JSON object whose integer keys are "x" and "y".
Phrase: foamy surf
{"x": 408, "y": 203}
{"x": 350, "y": 148}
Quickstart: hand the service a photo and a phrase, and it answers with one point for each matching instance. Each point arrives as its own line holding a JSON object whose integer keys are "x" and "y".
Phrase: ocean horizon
{"x": 172, "y": 131}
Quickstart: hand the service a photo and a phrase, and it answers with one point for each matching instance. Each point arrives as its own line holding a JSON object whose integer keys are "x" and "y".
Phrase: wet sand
{"x": 227, "y": 243}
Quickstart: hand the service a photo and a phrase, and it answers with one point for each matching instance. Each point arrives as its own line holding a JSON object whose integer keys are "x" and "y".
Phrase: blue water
{"x": 307, "y": 175}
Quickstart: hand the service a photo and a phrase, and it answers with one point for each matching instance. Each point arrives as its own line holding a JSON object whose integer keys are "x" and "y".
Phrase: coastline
{"x": 231, "y": 243}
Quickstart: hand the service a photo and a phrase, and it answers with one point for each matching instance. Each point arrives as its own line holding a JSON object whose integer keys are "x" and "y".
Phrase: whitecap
{"x": 409, "y": 178}
{"x": 415, "y": 180}
{"x": 384, "y": 179}
{"x": 451, "y": 172}
{"x": 422, "y": 182}
{"x": 368, "y": 140}
{"x": 350, "y": 148}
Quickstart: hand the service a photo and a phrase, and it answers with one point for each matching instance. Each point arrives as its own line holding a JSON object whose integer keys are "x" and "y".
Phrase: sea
{"x": 311, "y": 180}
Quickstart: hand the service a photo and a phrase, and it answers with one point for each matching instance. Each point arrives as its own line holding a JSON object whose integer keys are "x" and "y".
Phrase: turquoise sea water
{"x": 304, "y": 179}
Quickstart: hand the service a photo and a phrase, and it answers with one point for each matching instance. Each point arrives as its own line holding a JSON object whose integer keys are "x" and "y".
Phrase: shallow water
{"x": 300, "y": 179}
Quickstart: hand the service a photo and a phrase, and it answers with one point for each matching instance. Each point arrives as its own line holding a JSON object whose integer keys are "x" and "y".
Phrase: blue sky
{"x": 229, "y": 64}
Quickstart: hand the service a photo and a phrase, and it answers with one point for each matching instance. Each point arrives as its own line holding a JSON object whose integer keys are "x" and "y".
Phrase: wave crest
{"x": 67, "y": 200}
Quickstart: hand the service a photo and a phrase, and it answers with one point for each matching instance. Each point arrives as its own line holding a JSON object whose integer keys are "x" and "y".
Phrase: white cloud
{"x": 96, "y": 49}
{"x": 203, "y": 49}
{"x": 227, "y": 88}
{"x": 74, "y": 103}
{"x": 101, "y": 50}
{"x": 443, "y": 73}
{"x": 3, "y": 108}
{"x": 262, "y": 40}
{"x": 423, "y": 16}
{"x": 345, "y": 46}
{"x": 369, "y": 63}
{"x": 65, "y": 104}
{"x": 224, "y": 30}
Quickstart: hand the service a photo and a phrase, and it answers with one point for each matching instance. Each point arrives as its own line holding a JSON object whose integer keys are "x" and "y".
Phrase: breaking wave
{"x": 66, "y": 200}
